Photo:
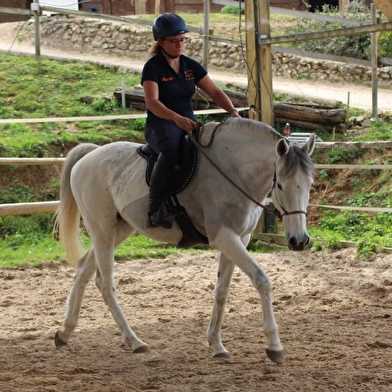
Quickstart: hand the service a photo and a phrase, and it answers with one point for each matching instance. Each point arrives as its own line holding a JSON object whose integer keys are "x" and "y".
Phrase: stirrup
{"x": 156, "y": 220}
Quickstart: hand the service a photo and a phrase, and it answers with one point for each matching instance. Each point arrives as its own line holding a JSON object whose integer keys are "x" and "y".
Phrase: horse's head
{"x": 290, "y": 193}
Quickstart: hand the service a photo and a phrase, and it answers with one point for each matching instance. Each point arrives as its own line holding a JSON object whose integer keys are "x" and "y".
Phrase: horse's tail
{"x": 67, "y": 215}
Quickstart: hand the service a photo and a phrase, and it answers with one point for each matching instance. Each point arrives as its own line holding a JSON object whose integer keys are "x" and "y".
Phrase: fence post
{"x": 123, "y": 101}
{"x": 269, "y": 223}
{"x": 206, "y": 38}
{"x": 374, "y": 49}
{"x": 36, "y": 9}
{"x": 267, "y": 95}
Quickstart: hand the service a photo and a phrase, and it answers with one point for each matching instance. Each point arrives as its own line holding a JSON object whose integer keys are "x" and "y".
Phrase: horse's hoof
{"x": 141, "y": 349}
{"x": 275, "y": 356}
{"x": 58, "y": 341}
{"x": 223, "y": 354}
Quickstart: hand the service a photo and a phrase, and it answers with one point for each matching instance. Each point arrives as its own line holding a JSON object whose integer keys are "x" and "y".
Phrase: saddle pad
{"x": 183, "y": 173}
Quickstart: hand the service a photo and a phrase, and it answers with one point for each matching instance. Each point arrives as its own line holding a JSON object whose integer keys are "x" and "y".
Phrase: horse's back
{"x": 116, "y": 168}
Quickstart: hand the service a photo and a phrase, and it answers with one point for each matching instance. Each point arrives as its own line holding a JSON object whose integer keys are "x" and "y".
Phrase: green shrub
{"x": 102, "y": 105}
{"x": 357, "y": 46}
{"x": 17, "y": 193}
{"x": 33, "y": 227}
{"x": 230, "y": 9}
{"x": 343, "y": 156}
{"x": 385, "y": 44}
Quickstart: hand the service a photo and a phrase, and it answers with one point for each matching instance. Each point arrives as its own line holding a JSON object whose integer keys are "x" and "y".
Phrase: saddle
{"x": 183, "y": 174}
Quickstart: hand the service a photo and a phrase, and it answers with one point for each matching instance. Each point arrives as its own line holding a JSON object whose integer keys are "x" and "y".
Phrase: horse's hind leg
{"x": 222, "y": 287}
{"x": 85, "y": 271}
{"x": 104, "y": 247}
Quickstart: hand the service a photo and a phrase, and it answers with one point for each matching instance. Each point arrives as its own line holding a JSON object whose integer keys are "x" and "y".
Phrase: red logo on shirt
{"x": 169, "y": 79}
{"x": 188, "y": 74}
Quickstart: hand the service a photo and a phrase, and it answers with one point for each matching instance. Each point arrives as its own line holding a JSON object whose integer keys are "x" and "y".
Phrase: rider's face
{"x": 174, "y": 45}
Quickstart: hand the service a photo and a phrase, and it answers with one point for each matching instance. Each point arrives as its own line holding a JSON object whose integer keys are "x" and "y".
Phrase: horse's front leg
{"x": 232, "y": 247}
{"x": 221, "y": 293}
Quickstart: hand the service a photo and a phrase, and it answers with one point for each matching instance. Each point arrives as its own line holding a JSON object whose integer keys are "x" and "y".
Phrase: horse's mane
{"x": 246, "y": 125}
{"x": 296, "y": 156}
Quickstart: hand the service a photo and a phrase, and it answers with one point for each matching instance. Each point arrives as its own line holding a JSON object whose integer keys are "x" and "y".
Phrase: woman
{"x": 169, "y": 80}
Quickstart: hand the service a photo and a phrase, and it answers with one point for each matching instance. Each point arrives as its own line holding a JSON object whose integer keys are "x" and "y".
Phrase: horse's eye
{"x": 279, "y": 186}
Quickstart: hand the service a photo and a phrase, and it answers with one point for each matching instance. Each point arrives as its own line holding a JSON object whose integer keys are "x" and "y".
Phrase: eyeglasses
{"x": 176, "y": 41}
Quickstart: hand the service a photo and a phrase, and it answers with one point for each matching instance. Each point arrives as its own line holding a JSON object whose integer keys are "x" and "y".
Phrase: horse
{"x": 106, "y": 187}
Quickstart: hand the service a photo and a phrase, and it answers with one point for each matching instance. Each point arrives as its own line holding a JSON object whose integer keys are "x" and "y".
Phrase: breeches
{"x": 165, "y": 137}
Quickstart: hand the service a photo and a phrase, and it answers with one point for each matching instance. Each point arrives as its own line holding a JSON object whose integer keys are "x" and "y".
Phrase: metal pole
{"x": 36, "y": 9}
{"x": 123, "y": 103}
{"x": 374, "y": 44}
{"x": 206, "y": 39}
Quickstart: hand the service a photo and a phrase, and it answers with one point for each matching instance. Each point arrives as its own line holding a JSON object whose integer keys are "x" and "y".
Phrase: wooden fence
{"x": 50, "y": 207}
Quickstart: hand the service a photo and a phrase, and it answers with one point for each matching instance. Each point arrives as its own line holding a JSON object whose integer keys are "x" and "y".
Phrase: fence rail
{"x": 50, "y": 207}
{"x": 60, "y": 161}
{"x": 101, "y": 118}
{"x": 28, "y": 208}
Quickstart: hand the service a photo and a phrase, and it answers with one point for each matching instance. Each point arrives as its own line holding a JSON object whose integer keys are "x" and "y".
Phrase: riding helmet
{"x": 168, "y": 24}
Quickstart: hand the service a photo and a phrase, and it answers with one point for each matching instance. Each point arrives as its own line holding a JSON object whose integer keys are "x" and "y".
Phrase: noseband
{"x": 275, "y": 211}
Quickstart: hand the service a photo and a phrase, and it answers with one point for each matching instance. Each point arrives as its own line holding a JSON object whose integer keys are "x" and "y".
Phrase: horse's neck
{"x": 248, "y": 159}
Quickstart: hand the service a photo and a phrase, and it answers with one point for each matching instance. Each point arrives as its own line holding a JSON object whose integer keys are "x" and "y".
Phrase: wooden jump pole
{"x": 28, "y": 208}
{"x": 31, "y": 161}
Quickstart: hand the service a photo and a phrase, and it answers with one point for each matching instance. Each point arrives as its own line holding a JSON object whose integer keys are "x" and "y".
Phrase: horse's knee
{"x": 262, "y": 283}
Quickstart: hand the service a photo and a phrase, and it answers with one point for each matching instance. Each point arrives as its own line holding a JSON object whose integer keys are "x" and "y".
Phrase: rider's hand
{"x": 234, "y": 113}
{"x": 185, "y": 123}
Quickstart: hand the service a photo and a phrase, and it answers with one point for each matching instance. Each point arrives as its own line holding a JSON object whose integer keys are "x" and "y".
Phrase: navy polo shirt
{"x": 175, "y": 90}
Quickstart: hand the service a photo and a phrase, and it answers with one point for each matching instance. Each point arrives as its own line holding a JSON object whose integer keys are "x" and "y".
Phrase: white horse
{"x": 106, "y": 186}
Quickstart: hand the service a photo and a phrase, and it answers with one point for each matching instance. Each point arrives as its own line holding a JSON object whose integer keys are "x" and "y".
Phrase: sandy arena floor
{"x": 334, "y": 314}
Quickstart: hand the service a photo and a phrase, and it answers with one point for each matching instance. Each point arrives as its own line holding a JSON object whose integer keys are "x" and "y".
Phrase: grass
{"x": 48, "y": 88}
{"x": 26, "y": 248}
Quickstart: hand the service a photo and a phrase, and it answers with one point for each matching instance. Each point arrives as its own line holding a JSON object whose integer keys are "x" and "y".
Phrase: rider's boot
{"x": 160, "y": 177}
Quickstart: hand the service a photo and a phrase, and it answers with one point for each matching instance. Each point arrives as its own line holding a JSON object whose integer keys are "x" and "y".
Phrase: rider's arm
{"x": 217, "y": 95}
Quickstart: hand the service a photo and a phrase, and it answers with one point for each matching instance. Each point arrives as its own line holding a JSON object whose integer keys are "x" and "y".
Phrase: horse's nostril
{"x": 299, "y": 245}
{"x": 292, "y": 243}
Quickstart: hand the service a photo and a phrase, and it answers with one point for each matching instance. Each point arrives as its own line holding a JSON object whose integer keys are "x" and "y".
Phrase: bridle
{"x": 277, "y": 212}
{"x": 274, "y": 211}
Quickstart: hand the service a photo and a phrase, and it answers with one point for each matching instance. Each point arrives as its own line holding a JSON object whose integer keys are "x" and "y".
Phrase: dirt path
{"x": 334, "y": 314}
{"x": 356, "y": 96}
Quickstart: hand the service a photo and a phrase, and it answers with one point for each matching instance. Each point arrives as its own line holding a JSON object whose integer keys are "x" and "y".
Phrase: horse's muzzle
{"x": 298, "y": 246}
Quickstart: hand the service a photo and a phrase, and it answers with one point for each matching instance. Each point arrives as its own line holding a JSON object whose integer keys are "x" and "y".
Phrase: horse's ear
{"x": 282, "y": 147}
{"x": 310, "y": 144}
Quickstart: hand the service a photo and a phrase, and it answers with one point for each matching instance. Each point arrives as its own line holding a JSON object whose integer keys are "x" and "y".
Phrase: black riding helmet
{"x": 167, "y": 25}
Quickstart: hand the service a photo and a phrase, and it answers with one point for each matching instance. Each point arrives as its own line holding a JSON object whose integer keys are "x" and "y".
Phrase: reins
{"x": 201, "y": 147}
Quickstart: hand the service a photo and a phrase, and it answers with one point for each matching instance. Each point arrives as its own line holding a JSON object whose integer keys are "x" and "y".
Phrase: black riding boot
{"x": 160, "y": 176}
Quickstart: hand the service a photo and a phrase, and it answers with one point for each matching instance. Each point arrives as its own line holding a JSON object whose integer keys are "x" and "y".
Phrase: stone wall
{"x": 133, "y": 40}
